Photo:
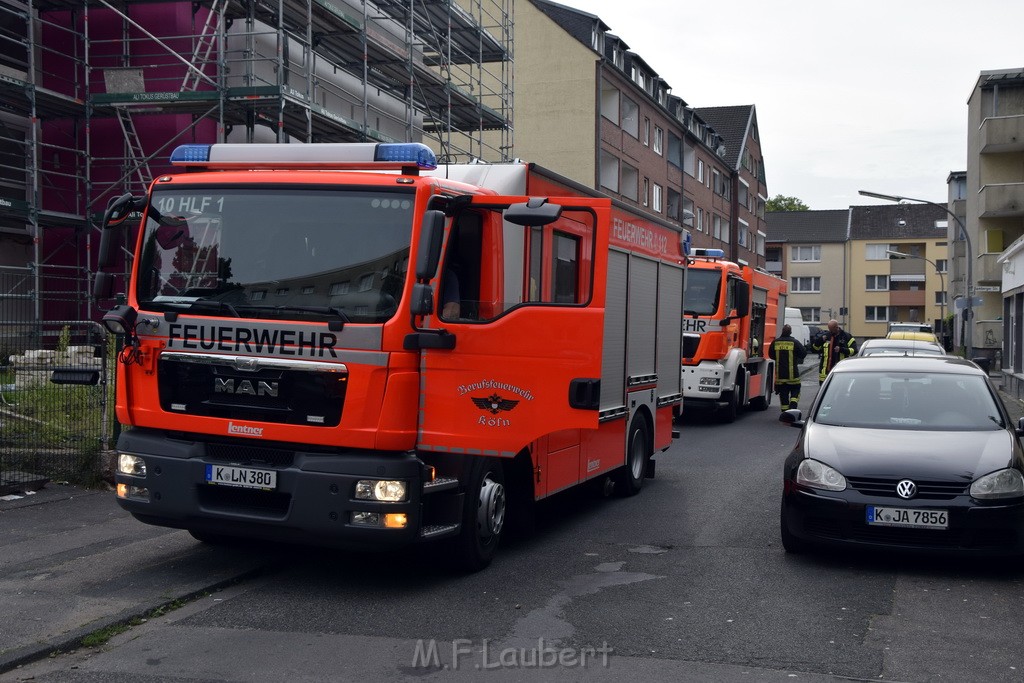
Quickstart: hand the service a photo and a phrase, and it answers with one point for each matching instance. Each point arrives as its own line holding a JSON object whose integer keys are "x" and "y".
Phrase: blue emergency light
{"x": 709, "y": 253}
{"x": 320, "y": 155}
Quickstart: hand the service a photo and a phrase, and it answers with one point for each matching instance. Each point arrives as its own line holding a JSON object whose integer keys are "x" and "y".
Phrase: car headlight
{"x": 818, "y": 475}
{"x": 1008, "y": 483}
{"x": 131, "y": 464}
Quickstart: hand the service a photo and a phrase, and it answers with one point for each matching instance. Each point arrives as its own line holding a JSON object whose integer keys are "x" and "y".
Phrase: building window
{"x": 656, "y": 198}
{"x": 807, "y": 284}
{"x": 761, "y": 201}
{"x": 644, "y": 198}
{"x": 675, "y": 150}
{"x": 609, "y": 172}
{"x": 805, "y": 253}
{"x": 700, "y": 220}
{"x": 659, "y": 134}
{"x": 630, "y": 181}
{"x": 689, "y": 159}
{"x": 744, "y": 198}
{"x": 810, "y": 315}
{"x": 365, "y": 283}
{"x": 647, "y": 131}
{"x": 716, "y": 224}
{"x": 630, "y": 117}
{"x": 340, "y": 288}
{"x": 258, "y": 295}
{"x": 672, "y": 205}
{"x": 610, "y": 103}
{"x": 716, "y": 179}
{"x": 309, "y": 289}
{"x": 876, "y": 314}
{"x": 743, "y": 234}
{"x": 940, "y": 298}
{"x": 700, "y": 170}
{"x": 687, "y": 206}
{"x": 941, "y": 265}
{"x": 876, "y": 252}
{"x": 877, "y": 283}
{"x": 282, "y": 291}
{"x": 726, "y": 233}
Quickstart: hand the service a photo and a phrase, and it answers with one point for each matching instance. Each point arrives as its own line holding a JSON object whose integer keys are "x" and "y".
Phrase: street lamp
{"x": 968, "y": 340}
{"x": 942, "y": 280}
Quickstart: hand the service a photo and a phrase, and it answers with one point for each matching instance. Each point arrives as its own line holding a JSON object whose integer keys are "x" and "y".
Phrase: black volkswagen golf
{"x": 912, "y": 453}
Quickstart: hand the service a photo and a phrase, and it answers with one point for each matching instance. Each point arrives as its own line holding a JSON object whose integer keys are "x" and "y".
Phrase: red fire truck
{"x": 347, "y": 345}
{"x": 731, "y": 314}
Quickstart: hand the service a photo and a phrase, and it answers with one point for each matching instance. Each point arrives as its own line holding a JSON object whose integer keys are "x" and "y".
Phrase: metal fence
{"x": 54, "y": 386}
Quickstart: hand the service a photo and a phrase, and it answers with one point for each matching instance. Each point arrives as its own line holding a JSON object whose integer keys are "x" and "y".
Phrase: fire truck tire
{"x": 629, "y": 478}
{"x": 732, "y": 406}
{"x": 762, "y": 402}
{"x": 483, "y": 516}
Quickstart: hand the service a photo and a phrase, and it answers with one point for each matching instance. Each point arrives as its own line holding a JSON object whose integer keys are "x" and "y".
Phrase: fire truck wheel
{"x": 629, "y": 478}
{"x": 762, "y": 402}
{"x": 732, "y": 406}
{"x": 483, "y": 516}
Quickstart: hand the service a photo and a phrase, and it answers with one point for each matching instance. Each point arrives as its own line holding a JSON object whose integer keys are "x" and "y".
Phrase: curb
{"x": 27, "y": 654}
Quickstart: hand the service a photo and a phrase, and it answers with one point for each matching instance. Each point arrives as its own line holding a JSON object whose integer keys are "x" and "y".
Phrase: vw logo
{"x": 906, "y": 489}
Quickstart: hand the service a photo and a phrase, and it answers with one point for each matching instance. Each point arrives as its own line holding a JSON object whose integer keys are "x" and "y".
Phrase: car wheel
{"x": 483, "y": 515}
{"x": 790, "y": 543}
{"x": 629, "y": 478}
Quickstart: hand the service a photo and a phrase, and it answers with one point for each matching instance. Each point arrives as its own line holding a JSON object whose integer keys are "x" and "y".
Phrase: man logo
{"x": 246, "y": 387}
{"x": 906, "y": 489}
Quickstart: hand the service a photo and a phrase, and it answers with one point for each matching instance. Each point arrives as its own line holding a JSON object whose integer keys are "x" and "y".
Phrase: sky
{"x": 869, "y": 95}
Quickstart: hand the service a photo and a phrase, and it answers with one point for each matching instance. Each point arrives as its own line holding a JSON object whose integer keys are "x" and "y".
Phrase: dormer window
{"x": 597, "y": 39}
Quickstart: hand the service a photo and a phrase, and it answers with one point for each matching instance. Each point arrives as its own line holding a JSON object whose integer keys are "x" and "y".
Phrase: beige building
{"x": 896, "y": 267}
{"x": 808, "y": 249}
{"x": 994, "y": 213}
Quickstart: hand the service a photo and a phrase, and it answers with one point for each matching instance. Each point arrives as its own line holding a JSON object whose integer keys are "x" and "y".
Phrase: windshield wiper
{"x": 323, "y": 310}
{"x": 190, "y": 305}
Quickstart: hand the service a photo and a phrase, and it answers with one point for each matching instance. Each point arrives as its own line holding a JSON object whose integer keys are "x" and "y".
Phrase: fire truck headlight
{"x": 710, "y": 381}
{"x": 131, "y": 464}
{"x": 129, "y": 491}
{"x": 388, "y": 490}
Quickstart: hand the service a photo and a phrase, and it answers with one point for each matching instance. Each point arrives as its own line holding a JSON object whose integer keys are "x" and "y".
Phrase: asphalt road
{"x": 687, "y": 581}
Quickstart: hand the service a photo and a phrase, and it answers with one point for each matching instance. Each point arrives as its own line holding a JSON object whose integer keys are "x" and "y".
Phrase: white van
{"x": 796, "y": 321}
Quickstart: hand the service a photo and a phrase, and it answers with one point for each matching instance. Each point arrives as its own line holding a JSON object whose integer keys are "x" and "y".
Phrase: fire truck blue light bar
{"x": 323, "y": 155}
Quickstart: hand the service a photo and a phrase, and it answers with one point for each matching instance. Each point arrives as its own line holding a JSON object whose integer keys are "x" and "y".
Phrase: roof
{"x": 577, "y": 23}
{"x": 896, "y": 221}
{"x": 807, "y": 226}
{"x": 732, "y": 123}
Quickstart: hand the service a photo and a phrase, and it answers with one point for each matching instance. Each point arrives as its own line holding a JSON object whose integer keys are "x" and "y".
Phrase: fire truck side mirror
{"x": 113, "y": 219}
{"x": 103, "y": 286}
{"x": 429, "y": 254}
{"x": 742, "y": 299}
{"x": 535, "y": 212}
{"x": 422, "y": 299}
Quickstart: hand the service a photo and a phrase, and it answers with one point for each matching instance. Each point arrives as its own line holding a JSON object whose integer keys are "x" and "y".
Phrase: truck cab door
{"x": 527, "y": 327}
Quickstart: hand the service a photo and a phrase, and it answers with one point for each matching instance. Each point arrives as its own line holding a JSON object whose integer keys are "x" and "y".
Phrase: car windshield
{"x": 909, "y": 400}
{"x": 274, "y": 252}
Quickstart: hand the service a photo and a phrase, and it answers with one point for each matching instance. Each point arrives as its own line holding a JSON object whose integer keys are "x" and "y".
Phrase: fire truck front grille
{"x": 244, "y": 501}
{"x": 277, "y": 394}
{"x": 249, "y": 456}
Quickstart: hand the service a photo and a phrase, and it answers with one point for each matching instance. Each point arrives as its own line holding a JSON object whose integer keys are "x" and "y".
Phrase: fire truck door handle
{"x": 585, "y": 394}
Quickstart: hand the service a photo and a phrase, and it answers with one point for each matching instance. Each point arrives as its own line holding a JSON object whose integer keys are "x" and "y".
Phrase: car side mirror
{"x": 795, "y": 417}
{"x": 1020, "y": 426}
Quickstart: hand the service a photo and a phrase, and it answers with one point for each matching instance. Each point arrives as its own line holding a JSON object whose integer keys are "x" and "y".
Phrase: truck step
{"x": 440, "y": 484}
{"x": 439, "y": 530}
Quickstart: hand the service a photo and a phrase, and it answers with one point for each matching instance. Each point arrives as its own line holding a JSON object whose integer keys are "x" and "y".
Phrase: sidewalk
{"x": 73, "y": 563}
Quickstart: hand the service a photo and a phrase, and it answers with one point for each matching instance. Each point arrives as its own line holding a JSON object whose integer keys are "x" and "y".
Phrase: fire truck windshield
{"x": 701, "y": 295}
{"x": 276, "y": 252}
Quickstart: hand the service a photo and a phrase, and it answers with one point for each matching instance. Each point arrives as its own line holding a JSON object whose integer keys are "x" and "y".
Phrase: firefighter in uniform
{"x": 787, "y": 353}
{"x": 833, "y": 346}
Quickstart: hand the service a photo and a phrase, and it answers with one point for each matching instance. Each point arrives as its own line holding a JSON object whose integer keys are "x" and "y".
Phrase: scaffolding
{"x": 94, "y": 94}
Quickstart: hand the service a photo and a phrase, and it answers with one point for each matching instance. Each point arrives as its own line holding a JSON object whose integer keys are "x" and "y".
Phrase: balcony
{"x": 1001, "y": 200}
{"x": 987, "y": 271}
{"x": 773, "y": 266}
{"x": 1002, "y": 134}
{"x": 907, "y": 297}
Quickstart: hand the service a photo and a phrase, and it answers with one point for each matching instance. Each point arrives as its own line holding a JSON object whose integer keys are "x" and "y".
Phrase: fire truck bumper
{"x": 353, "y": 499}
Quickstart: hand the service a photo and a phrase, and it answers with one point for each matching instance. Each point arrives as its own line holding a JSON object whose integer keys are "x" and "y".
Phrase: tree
{"x": 783, "y": 203}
